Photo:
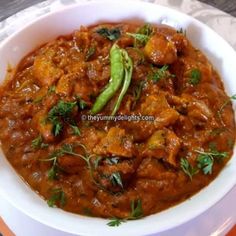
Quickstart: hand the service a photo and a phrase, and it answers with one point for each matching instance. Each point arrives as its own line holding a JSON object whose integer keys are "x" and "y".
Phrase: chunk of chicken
{"x": 160, "y": 51}
{"x": 71, "y": 164}
{"x": 116, "y": 142}
{"x": 82, "y": 38}
{"x": 65, "y": 85}
{"x": 198, "y": 111}
{"x": 173, "y": 144}
{"x": 45, "y": 71}
{"x": 163, "y": 144}
{"x": 45, "y": 129}
{"x": 157, "y": 105}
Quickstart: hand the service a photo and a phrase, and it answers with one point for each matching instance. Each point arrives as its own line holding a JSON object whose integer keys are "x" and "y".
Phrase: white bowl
{"x": 48, "y": 27}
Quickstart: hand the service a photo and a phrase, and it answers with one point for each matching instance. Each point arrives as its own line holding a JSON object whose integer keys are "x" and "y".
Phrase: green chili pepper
{"x": 128, "y": 64}
{"x": 117, "y": 74}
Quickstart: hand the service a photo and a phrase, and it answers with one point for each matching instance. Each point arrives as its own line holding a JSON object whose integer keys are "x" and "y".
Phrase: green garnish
{"x": 115, "y": 222}
{"x": 136, "y": 210}
{"x": 160, "y": 73}
{"x": 111, "y": 34}
{"x": 206, "y": 160}
{"x": 137, "y": 92}
{"x": 136, "y": 213}
{"x": 53, "y": 172}
{"x": 142, "y": 36}
{"x": 76, "y": 130}
{"x": 181, "y": 31}
{"x": 96, "y": 162}
{"x": 82, "y": 104}
{"x": 195, "y": 76}
{"x": 187, "y": 168}
{"x": 90, "y": 53}
{"x": 38, "y": 143}
{"x": 51, "y": 89}
{"x": 58, "y": 196}
{"x": 68, "y": 149}
{"x": 146, "y": 29}
{"x": 112, "y": 160}
{"x": 60, "y": 112}
{"x": 217, "y": 131}
{"x": 233, "y": 97}
{"x": 115, "y": 179}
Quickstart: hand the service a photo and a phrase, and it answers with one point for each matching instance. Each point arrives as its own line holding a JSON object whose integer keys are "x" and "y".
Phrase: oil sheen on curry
{"x": 116, "y": 120}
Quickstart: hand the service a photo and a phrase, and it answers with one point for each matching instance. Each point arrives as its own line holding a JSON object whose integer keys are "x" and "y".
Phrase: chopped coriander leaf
{"x": 82, "y": 104}
{"x": 38, "y": 143}
{"x": 112, "y": 160}
{"x": 205, "y": 163}
{"x": 96, "y": 162}
{"x": 137, "y": 92}
{"x": 233, "y": 97}
{"x": 68, "y": 148}
{"x": 136, "y": 213}
{"x": 195, "y": 76}
{"x": 76, "y": 130}
{"x": 61, "y": 111}
{"x": 57, "y": 127}
{"x": 136, "y": 210}
{"x": 187, "y": 168}
{"x": 57, "y": 196}
{"x": 111, "y": 34}
{"x": 116, "y": 180}
{"x": 205, "y": 160}
{"x": 217, "y": 131}
{"x": 53, "y": 172}
{"x": 51, "y": 89}
{"x": 115, "y": 222}
{"x": 90, "y": 53}
{"x": 160, "y": 73}
{"x": 146, "y": 29}
{"x": 141, "y": 38}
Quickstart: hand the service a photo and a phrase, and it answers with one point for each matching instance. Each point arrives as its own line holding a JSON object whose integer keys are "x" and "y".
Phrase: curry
{"x": 59, "y": 125}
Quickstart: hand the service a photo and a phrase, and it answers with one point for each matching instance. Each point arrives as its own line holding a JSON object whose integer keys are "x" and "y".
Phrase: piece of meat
{"x": 116, "y": 142}
{"x": 173, "y": 144}
{"x": 163, "y": 144}
{"x": 155, "y": 146}
{"x": 157, "y": 106}
{"x": 45, "y": 71}
{"x": 180, "y": 41}
{"x": 44, "y": 128}
{"x": 151, "y": 168}
{"x": 160, "y": 51}
{"x": 82, "y": 39}
{"x": 71, "y": 164}
{"x": 197, "y": 110}
{"x": 65, "y": 85}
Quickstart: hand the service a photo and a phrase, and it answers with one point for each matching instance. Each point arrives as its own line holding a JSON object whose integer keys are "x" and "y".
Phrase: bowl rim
{"x": 227, "y": 187}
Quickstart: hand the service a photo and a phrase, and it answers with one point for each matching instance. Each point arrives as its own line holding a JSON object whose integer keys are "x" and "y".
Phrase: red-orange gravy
{"x": 156, "y": 163}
